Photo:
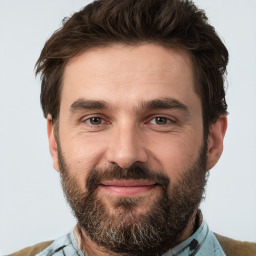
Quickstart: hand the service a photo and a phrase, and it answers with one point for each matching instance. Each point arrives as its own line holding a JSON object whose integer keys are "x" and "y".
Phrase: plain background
{"x": 32, "y": 207}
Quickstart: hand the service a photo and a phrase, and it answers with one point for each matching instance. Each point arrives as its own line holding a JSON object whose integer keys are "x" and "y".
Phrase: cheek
{"x": 82, "y": 154}
{"x": 173, "y": 154}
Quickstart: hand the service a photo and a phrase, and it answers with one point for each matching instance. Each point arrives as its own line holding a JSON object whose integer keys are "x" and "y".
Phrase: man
{"x": 135, "y": 104}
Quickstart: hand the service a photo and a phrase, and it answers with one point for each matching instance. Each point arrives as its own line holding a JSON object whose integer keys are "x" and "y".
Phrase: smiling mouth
{"x": 127, "y": 187}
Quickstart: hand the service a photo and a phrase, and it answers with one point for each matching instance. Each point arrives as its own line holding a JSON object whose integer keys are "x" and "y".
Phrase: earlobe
{"x": 53, "y": 146}
{"x": 215, "y": 141}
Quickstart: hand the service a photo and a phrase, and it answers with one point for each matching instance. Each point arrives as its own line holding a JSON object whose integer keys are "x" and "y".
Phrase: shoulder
{"x": 236, "y": 248}
{"x": 32, "y": 250}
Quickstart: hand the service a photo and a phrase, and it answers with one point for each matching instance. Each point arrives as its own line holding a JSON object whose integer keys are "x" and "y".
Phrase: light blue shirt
{"x": 203, "y": 242}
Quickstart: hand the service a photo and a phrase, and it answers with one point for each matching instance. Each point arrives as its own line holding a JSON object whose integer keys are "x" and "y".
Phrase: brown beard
{"x": 123, "y": 231}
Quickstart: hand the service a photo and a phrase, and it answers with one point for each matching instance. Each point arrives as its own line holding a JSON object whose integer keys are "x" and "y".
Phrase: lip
{"x": 127, "y": 187}
{"x": 127, "y": 183}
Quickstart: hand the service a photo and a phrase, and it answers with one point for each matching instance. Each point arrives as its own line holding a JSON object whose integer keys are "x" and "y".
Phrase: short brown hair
{"x": 170, "y": 23}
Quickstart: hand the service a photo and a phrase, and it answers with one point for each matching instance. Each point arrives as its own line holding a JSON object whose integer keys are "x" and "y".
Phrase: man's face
{"x": 130, "y": 138}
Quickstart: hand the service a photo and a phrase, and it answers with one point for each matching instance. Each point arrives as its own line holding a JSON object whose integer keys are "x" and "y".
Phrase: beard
{"x": 124, "y": 230}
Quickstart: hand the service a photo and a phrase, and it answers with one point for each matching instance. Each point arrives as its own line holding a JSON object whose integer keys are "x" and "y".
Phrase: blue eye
{"x": 95, "y": 120}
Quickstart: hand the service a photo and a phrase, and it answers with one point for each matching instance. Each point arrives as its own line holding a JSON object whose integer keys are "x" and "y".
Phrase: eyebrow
{"x": 84, "y": 104}
{"x": 162, "y": 103}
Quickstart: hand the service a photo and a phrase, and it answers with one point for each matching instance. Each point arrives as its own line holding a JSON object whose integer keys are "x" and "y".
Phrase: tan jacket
{"x": 236, "y": 248}
{"x": 231, "y": 248}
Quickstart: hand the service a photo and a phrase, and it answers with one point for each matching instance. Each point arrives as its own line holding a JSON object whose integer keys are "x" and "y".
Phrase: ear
{"x": 215, "y": 141}
{"x": 52, "y": 143}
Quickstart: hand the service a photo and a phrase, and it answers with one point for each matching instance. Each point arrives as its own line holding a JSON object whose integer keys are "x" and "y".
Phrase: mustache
{"x": 135, "y": 172}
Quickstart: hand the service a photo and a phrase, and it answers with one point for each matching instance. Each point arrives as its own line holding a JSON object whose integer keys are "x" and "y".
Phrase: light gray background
{"x": 32, "y": 208}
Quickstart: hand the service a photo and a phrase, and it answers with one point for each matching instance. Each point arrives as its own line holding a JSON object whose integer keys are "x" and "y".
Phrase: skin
{"x": 126, "y": 79}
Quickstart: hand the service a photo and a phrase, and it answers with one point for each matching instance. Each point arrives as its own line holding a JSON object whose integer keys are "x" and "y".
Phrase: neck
{"x": 192, "y": 226}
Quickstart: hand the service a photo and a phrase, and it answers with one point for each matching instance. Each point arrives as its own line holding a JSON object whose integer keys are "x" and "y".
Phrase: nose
{"x": 126, "y": 146}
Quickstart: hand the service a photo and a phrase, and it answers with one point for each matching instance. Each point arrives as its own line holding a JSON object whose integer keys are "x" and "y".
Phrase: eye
{"x": 94, "y": 123}
{"x": 160, "y": 120}
{"x": 95, "y": 120}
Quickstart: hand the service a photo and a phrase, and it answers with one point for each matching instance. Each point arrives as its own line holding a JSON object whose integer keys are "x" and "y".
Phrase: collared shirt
{"x": 203, "y": 242}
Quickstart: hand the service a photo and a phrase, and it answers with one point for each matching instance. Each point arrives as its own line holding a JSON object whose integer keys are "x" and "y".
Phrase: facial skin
{"x": 132, "y": 105}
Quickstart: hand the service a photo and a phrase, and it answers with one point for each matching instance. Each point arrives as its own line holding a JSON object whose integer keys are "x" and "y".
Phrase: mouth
{"x": 127, "y": 187}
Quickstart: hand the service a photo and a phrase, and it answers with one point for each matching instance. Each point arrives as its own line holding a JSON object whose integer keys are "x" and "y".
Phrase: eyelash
{"x": 157, "y": 118}
{"x": 88, "y": 120}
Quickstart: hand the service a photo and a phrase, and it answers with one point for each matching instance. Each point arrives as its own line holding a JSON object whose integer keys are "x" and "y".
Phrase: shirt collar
{"x": 190, "y": 245}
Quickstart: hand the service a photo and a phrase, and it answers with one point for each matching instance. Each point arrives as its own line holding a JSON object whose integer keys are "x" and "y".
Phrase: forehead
{"x": 122, "y": 73}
